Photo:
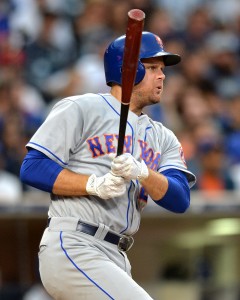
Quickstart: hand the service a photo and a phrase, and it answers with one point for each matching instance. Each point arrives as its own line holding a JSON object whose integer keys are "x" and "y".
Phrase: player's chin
{"x": 154, "y": 100}
{"x": 157, "y": 96}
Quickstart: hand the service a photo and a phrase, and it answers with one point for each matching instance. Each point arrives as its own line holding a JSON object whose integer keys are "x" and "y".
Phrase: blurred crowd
{"x": 50, "y": 49}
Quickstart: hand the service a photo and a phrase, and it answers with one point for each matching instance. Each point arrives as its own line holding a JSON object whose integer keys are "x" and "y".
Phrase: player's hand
{"x": 129, "y": 168}
{"x": 107, "y": 186}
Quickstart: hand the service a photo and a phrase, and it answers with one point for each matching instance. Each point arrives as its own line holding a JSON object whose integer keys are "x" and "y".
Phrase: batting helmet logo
{"x": 159, "y": 41}
{"x": 182, "y": 156}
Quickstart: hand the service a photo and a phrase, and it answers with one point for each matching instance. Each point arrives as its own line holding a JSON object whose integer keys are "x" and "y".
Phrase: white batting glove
{"x": 129, "y": 168}
{"x": 107, "y": 186}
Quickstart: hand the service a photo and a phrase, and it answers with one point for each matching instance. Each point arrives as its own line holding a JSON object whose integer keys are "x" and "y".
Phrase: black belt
{"x": 123, "y": 242}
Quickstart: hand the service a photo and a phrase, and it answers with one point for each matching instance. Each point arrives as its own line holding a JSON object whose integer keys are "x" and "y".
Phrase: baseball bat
{"x": 132, "y": 45}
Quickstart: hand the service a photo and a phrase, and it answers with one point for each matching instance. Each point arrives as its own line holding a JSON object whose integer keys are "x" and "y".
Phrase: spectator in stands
{"x": 93, "y": 25}
{"x": 213, "y": 175}
{"x": 232, "y": 139}
{"x": 52, "y": 50}
{"x": 223, "y": 46}
{"x": 198, "y": 27}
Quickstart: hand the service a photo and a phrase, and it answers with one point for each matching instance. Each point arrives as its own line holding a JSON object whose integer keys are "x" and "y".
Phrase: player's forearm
{"x": 69, "y": 183}
{"x": 177, "y": 195}
{"x": 40, "y": 172}
{"x": 106, "y": 187}
{"x": 156, "y": 185}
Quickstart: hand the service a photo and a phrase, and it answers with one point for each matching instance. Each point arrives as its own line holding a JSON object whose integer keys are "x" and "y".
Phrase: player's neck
{"x": 116, "y": 92}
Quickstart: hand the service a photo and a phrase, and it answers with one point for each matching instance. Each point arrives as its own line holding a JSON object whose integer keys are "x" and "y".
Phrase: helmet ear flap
{"x": 140, "y": 72}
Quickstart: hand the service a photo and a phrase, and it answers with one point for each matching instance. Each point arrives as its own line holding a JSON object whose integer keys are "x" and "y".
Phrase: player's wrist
{"x": 144, "y": 173}
{"x": 91, "y": 185}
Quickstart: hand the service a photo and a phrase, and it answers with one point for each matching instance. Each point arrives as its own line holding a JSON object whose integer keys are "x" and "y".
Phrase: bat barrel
{"x": 131, "y": 52}
{"x": 129, "y": 68}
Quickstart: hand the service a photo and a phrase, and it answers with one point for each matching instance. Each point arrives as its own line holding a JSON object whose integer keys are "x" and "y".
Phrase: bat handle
{"x": 122, "y": 128}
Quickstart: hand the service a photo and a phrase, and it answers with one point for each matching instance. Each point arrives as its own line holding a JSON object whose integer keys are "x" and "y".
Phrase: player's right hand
{"x": 129, "y": 168}
{"x": 107, "y": 186}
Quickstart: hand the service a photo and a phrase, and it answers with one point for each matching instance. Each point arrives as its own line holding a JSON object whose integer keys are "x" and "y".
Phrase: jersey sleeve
{"x": 172, "y": 156}
{"x": 60, "y": 133}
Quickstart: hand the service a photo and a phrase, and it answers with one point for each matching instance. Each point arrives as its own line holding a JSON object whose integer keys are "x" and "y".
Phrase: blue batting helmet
{"x": 151, "y": 46}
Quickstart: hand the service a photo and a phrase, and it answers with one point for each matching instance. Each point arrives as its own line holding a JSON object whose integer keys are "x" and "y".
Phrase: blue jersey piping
{"x": 129, "y": 202}
{"x": 80, "y": 270}
{"x": 119, "y": 115}
{"x": 150, "y": 127}
{"x": 49, "y": 152}
{"x": 128, "y": 209}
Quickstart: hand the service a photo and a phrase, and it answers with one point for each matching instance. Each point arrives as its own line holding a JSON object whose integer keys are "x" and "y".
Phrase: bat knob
{"x": 136, "y": 14}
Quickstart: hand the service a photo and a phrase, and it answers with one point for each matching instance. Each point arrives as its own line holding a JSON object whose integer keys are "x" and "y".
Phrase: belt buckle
{"x": 125, "y": 243}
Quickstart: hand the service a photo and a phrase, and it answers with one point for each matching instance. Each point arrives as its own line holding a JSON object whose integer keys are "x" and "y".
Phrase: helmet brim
{"x": 169, "y": 59}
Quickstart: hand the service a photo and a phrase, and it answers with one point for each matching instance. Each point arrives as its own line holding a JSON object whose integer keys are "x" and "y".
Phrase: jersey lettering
{"x": 143, "y": 146}
{"x": 110, "y": 141}
{"x": 95, "y": 146}
{"x": 128, "y": 144}
{"x": 151, "y": 159}
{"x": 155, "y": 161}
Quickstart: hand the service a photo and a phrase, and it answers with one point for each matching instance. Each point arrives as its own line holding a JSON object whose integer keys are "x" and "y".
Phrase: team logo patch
{"x": 159, "y": 41}
{"x": 182, "y": 155}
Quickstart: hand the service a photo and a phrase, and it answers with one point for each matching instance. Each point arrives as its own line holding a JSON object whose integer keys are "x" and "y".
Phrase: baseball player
{"x": 96, "y": 197}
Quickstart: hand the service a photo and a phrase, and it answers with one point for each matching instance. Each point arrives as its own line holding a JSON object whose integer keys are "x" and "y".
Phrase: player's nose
{"x": 161, "y": 74}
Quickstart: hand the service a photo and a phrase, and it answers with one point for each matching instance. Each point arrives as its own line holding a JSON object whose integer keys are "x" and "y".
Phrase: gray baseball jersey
{"x": 79, "y": 133}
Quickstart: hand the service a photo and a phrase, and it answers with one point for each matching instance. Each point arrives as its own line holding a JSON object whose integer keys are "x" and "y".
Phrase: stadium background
{"x": 50, "y": 49}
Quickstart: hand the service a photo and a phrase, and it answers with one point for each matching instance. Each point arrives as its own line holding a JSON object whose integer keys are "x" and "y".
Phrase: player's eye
{"x": 154, "y": 68}
{"x": 151, "y": 68}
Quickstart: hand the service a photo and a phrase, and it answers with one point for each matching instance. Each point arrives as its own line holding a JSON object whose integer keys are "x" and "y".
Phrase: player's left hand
{"x": 129, "y": 168}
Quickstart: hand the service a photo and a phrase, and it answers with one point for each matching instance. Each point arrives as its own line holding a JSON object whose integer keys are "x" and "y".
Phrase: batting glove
{"x": 129, "y": 168}
{"x": 107, "y": 186}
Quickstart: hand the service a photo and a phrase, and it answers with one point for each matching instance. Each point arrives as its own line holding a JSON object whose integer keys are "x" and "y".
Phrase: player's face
{"x": 149, "y": 90}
